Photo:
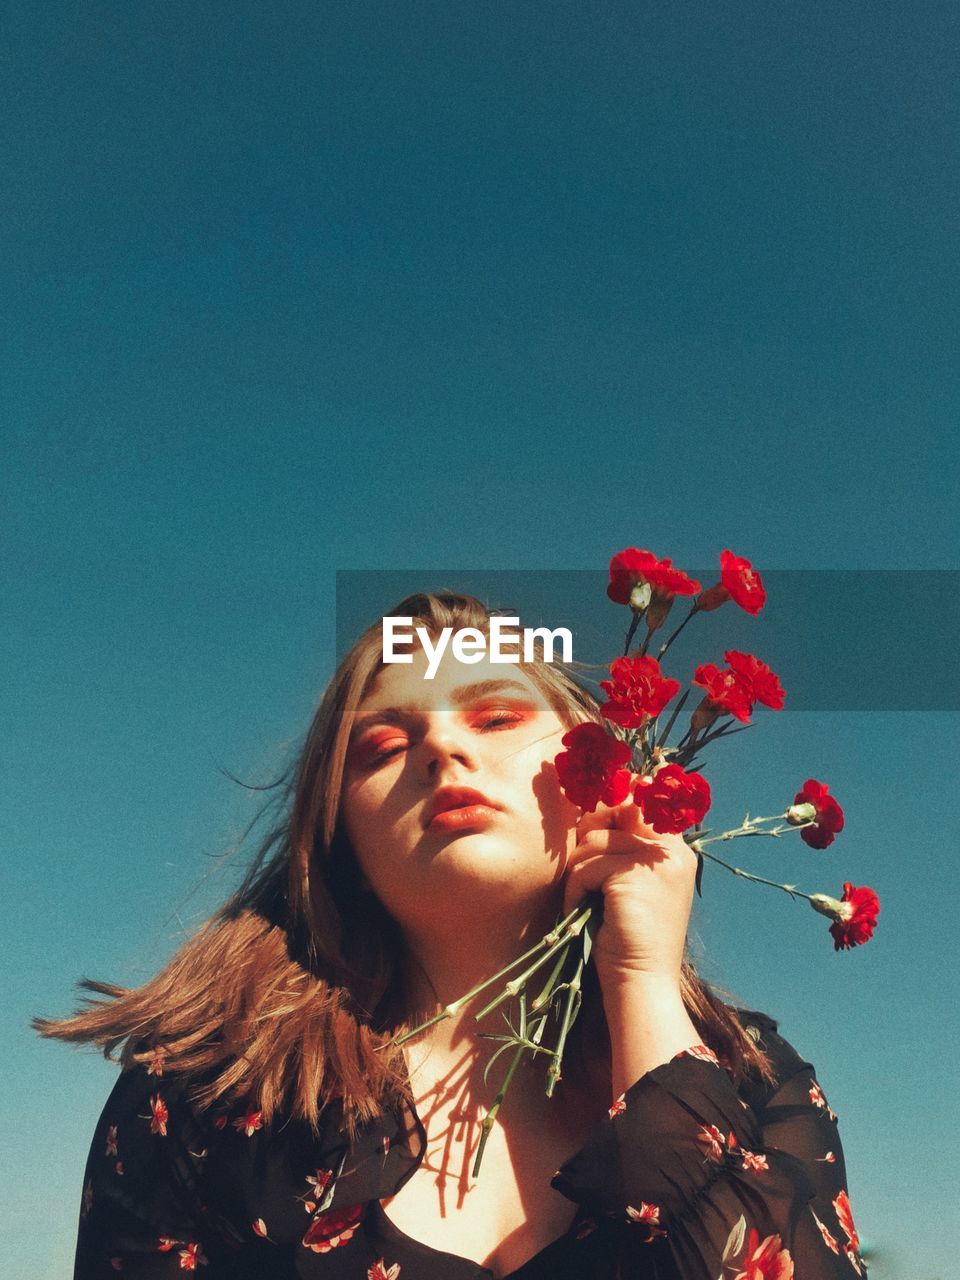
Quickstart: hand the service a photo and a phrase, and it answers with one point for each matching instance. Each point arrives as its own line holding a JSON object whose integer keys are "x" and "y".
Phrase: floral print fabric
{"x": 688, "y": 1178}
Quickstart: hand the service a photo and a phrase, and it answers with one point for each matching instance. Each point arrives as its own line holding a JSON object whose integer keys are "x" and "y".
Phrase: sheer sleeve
{"x": 141, "y": 1214}
{"x": 710, "y": 1182}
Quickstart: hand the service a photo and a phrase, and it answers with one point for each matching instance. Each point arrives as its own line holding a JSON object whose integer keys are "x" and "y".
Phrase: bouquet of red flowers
{"x": 632, "y": 754}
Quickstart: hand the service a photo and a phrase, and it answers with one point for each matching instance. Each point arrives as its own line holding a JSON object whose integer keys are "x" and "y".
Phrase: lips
{"x": 453, "y": 799}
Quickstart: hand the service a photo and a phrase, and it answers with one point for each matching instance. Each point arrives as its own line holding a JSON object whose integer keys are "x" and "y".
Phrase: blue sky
{"x": 295, "y": 290}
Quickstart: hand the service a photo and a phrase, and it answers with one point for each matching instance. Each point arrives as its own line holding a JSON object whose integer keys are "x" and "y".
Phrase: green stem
{"x": 728, "y": 727}
{"x": 516, "y": 984}
{"x": 547, "y": 993}
{"x": 569, "y": 1013}
{"x": 524, "y": 1045}
{"x": 792, "y": 889}
{"x": 548, "y": 940}
{"x": 490, "y": 1118}
{"x": 669, "y": 641}
{"x": 686, "y": 750}
{"x": 670, "y": 723}
{"x": 752, "y": 829}
{"x": 635, "y": 622}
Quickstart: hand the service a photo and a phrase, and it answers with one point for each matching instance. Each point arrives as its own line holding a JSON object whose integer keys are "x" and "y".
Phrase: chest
{"x": 505, "y": 1216}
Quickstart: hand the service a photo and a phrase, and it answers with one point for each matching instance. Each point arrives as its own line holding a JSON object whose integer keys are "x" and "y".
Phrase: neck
{"x": 446, "y": 959}
{"x": 442, "y": 965}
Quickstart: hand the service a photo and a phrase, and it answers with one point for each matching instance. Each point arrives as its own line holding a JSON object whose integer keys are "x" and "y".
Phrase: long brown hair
{"x": 288, "y": 995}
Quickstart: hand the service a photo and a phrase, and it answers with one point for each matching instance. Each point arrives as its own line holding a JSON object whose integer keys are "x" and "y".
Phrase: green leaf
{"x": 494, "y": 1057}
{"x": 587, "y": 941}
{"x": 735, "y": 1239}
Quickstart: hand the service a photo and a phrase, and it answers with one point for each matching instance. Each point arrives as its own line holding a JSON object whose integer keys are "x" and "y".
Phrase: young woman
{"x": 264, "y": 1124}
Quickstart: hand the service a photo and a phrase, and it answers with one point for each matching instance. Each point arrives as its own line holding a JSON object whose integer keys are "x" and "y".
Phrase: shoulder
{"x": 785, "y": 1060}
{"x": 147, "y": 1124}
{"x": 177, "y": 1169}
{"x": 156, "y": 1102}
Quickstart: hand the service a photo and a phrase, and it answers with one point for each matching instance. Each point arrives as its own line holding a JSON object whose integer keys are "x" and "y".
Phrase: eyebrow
{"x": 464, "y": 693}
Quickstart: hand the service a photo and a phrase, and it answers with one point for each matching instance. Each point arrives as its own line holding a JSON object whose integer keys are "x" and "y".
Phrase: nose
{"x": 446, "y": 741}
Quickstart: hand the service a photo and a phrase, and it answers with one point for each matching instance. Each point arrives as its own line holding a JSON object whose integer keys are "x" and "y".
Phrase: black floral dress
{"x": 689, "y": 1178}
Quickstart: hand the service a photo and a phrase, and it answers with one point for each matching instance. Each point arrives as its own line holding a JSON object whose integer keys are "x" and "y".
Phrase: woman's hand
{"x": 647, "y": 881}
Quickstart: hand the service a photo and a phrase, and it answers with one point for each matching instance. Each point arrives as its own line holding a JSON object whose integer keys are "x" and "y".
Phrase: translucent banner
{"x": 840, "y": 640}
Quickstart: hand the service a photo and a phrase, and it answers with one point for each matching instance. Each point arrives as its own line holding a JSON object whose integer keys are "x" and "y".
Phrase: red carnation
{"x": 739, "y": 582}
{"x": 829, "y": 814}
{"x": 672, "y": 799}
{"x": 857, "y": 917}
{"x": 765, "y": 684}
{"x": 742, "y": 682}
{"x": 637, "y": 692}
{"x": 726, "y": 691}
{"x": 590, "y": 771}
{"x": 630, "y": 567}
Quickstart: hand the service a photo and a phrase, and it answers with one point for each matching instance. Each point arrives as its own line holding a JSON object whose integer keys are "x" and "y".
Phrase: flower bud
{"x": 800, "y": 814}
{"x": 640, "y": 596}
{"x": 831, "y": 907}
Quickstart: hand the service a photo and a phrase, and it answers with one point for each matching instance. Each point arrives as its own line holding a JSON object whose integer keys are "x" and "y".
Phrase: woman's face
{"x": 422, "y": 846}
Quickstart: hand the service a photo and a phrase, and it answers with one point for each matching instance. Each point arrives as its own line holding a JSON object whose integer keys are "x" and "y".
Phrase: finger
{"x": 589, "y": 873}
{"x": 610, "y": 852}
{"x": 626, "y": 816}
{"x": 602, "y": 818}
{"x": 591, "y": 866}
{"x": 672, "y": 850}
{"x": 613, "y": 840}
{"x": 647, "y": 848}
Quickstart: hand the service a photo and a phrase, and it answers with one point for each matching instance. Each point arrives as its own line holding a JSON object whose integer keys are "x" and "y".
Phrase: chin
{"x": 497, "y": 872}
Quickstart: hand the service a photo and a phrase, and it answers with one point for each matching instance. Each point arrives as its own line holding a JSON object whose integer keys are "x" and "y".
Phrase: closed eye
{"x": 496, "y": 720}
{"x": 500, "y": 720}
{"x": 377, "y": 753}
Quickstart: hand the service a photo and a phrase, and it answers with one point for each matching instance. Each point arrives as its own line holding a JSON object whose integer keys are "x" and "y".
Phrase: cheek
{"x": 349, "y": 803}
{"x": 357, "y": 812}
{"x": 557, "y": 815}
{"x": 370, "y": 853}
{"x": 376, "y": 835}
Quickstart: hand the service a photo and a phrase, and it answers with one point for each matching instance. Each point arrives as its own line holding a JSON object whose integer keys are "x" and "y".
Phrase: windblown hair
{"x": 289, "y": 994}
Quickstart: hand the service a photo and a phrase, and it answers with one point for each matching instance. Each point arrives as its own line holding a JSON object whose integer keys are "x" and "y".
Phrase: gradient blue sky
{"x": 293, "y": 289}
